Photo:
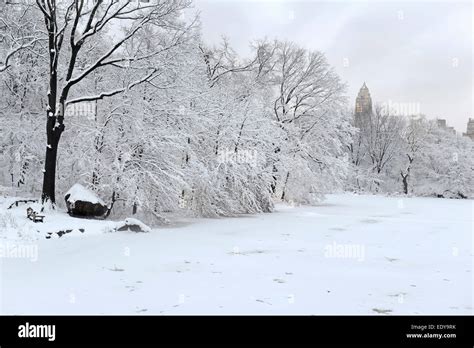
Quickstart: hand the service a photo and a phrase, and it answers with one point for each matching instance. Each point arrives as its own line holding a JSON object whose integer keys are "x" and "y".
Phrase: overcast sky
{"x": 415, "y": 53}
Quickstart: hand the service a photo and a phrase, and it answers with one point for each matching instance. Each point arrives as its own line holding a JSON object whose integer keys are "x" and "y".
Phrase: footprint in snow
{"x": 248, "y": 252}
{"x": 370, "y": 221}
{"x": 133, "y": 287}
{"x": 262, "y": 301}
{"x": 382, "y": 311}
{"x": 183, "y": 270}
{"x": 115, "y": 269}
{"x": 130, "y": 288}
{"x": 391, "y": 259}
{"x": 398, "y": 294}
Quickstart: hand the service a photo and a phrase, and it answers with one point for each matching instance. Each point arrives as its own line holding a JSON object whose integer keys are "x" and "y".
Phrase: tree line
{"x": 172, "y": 123}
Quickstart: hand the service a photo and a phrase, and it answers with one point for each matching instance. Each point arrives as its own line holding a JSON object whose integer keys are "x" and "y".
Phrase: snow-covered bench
{"x": 34, "y": 216}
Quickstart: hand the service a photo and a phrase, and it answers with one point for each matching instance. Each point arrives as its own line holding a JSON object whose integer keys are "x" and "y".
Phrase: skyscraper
{"x": 363, "y": 106}
{"x": 470, "y": 129}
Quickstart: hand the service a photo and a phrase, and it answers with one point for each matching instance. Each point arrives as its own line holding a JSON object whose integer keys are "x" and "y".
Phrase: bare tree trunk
{"x": 405, "y": 176}
{"x": 134, "y": 208}
{"x": 284, "y": 186}
{"x": 405, "y": 183}
{"x": 112, "y": 202}
{"x": 54, "y": 123}
{"x": 49, "y": 178}
{"x": 273, "y": 184}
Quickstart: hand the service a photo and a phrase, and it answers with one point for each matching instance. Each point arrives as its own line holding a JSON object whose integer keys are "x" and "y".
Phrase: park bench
{"x": 34, "y": 216}
{"x": 22, "y": 201}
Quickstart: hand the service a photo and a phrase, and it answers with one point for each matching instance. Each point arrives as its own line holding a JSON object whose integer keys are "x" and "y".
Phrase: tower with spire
{"x": 363, "y": 106}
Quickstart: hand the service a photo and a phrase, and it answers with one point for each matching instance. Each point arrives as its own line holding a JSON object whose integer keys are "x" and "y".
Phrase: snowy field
{"x": 351, "y": 254}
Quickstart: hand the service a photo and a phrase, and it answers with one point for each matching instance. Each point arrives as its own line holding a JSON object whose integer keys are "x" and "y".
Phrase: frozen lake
{"x": 352, "y": 254}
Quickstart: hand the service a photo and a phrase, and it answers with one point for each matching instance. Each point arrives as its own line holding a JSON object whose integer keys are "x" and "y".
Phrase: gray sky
{"x": 416, "y": 53}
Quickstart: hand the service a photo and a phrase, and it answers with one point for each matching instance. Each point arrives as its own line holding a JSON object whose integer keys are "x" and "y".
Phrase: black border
{"x": 239, "y": 330}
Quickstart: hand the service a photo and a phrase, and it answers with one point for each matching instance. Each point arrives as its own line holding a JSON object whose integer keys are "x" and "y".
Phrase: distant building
{"x": 444, "y": 125}
{"x": 441, "y": 123}
{"x": 470, "y": 129}
{"x": 363, "y": 106}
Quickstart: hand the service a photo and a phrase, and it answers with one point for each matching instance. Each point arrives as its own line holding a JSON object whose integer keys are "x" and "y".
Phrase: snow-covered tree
{"x": 19, "y": 31}
{"x": 22, "y": 73}
{"x": 308, "y": 110}
{"x": 81, "y": 22}
{"x": 448, "y": 165}
{"x": 414, "y": 142}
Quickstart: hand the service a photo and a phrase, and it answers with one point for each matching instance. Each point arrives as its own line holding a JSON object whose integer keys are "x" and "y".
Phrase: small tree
{"x": 382, "y": 137}
{"x": 308, "y": 109}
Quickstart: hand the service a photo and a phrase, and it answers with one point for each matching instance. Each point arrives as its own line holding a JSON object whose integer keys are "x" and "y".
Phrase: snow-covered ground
{"x": 351, "y": 254}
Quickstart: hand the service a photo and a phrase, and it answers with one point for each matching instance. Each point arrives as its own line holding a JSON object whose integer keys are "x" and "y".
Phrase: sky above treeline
{"x": 413, "y": 55}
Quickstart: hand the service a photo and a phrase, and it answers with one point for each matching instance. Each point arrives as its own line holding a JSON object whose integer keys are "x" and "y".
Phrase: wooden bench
{"x": 22, "y": 201}
{"x": 34, "y": 216}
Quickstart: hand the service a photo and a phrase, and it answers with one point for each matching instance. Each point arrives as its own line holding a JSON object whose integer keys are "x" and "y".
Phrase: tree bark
{"x": 54, "y": 123}
{"x": 405, "y": 176}
{"x": 405, "y": 183}
{"x": 284, "y": 186}
{"x": 53, "y": 133}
